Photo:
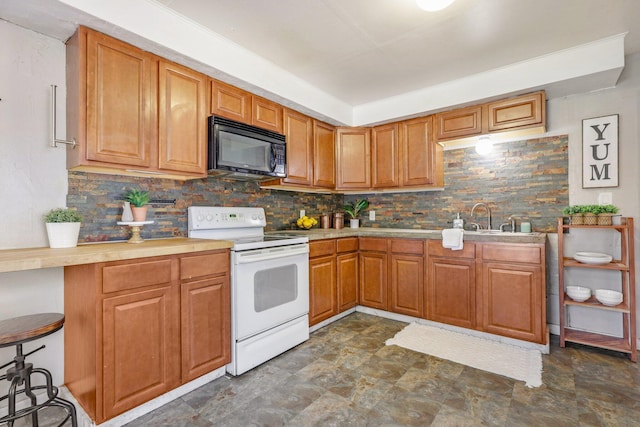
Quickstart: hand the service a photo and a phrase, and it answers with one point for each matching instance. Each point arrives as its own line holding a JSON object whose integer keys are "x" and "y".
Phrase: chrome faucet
{"x": 511, "y": 223}
{"x": 488, "y": 213}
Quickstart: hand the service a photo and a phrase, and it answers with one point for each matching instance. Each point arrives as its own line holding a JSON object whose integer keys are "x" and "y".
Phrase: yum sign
{"x": 600, "y": 152}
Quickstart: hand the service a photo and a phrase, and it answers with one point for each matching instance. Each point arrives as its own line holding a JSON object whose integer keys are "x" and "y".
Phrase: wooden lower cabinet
{"x": 451, "y": 285}
{"x": 406, "y": 285}
{"x": 513, "y": 291}
{"x": 373, "y": 263}
{"x": 323, "y": 298}
{"x": 333, "y": 277}
{"x": 137, "y": 329}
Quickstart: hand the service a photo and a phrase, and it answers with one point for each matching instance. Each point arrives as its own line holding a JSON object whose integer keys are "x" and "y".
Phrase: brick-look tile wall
{"x": 99, "y": 199}
{"x": 526, "y": 178}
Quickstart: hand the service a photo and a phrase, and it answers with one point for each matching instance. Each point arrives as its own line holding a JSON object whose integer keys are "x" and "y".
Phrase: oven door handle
{"x": 271, "y": 253}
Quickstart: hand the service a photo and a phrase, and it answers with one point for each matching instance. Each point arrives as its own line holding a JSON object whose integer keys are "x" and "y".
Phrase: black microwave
{"x": 245, "y": 151}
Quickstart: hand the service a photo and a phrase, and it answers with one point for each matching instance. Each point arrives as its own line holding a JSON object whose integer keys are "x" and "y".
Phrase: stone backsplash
{"x": 99, "y": 198}
{"x": 527, "y": 179}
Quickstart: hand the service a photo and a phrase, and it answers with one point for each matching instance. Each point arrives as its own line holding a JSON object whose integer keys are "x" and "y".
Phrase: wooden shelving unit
{"x": 626, "y": 267}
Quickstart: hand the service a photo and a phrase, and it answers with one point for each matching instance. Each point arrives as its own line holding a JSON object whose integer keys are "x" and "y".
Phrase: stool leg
{"x": 11, "y": 396}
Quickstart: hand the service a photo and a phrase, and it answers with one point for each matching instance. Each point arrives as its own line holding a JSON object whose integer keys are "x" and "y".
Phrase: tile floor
{"x": 346, "y": 376}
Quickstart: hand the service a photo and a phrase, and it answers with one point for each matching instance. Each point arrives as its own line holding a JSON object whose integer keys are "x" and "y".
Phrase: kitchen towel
{"x": 452, "y": 238}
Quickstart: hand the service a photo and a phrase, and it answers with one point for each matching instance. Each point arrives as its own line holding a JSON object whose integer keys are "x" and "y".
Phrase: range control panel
{"x": 212, "y": 217}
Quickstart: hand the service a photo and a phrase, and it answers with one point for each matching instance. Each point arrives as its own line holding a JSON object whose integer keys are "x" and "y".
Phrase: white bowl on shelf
{"x": 592, "y": 258}
{"x": 578, "y": 293}
{"x": 608, "y": 297}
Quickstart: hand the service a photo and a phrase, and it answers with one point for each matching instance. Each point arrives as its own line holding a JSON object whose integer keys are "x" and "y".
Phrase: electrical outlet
{"x": 372, "y": 215}
{"x": 302, "y": 213}
{"x": 605, "y": 198}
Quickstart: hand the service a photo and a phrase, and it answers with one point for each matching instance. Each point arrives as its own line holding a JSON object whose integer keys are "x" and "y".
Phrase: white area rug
{"x": 492, "y": 356}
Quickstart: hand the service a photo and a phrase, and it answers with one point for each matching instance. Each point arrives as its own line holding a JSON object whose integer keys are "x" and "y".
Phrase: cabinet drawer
{"x": 350, "y": 244}
{"x": 322, "y": 248}
{"x": 192, "y": 267}
{"x": 436, "y": 250}
{"x": 373, "y": 244}
{"x": 407, "y": 246}
{"x": 512, "y": 253}
{"x": 136, "y": 275}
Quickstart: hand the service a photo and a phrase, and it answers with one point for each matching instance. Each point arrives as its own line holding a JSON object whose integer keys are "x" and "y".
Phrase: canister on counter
{"x": 325, "y": 221}
{"x": 338, "y": 220}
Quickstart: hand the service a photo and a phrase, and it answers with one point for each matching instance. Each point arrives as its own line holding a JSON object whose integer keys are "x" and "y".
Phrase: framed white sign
{"x": 600, "y": 152}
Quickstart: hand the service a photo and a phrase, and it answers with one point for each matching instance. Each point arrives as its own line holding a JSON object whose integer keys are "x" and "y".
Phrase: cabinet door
{"x": 407, "y": 284}
{"x": 451, "y": 291}
{"x": 348, "y": 279}
{"x": 266, "y": 114}
{"x": 141, "y": 348}
{"x": 323, "y": 301}
{"x": 182, "y": 119}
{"x": 513, "y": 300}
{"x": 460, "y": 123}
{"x": 206, "y": 328}
{"x": 120, "y": 113}
{"x": 230, "y": 102}
{"x": 522, "y": 111}
{"x": 298, "y": 129}
{"x": 324, "y": 163}
{"x": 373, "y": 279}
{"x": 417, "y": 153}
{"x": 353, "y": 158}
{"x": 384, "y": 156}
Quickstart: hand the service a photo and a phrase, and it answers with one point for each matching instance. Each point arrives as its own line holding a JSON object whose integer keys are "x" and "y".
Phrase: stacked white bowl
{"x": 608, "y": 297}
{"x": 578, "y": 293}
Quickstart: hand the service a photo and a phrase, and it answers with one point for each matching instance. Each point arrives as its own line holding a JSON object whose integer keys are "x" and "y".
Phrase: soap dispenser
{"x": 458, "y": 222}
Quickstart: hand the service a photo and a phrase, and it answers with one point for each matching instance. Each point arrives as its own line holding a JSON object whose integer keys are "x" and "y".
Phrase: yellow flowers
{"x": 306, "y": 222}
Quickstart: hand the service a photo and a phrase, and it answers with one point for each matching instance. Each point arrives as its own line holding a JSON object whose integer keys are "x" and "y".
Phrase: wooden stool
{"x": 17, "y": 331}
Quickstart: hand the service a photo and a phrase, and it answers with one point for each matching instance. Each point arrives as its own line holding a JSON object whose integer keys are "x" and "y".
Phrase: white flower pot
{"x": 63, "y": 234}
{"x": 355, "y": 223}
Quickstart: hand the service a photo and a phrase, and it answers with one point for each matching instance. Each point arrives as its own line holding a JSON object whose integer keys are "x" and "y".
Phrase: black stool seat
{"x": 17, "y": 331}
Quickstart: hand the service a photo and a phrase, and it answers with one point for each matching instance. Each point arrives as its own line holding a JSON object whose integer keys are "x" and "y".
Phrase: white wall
{"x": 33, "y": 177}
{"x": 564, "y": 116}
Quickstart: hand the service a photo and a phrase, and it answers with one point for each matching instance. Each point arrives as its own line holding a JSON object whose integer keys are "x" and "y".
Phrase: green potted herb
{"x": 606, "y": 213}
{"x": 576, "y": 213}
{"x": 353, "y": 209}
{"x": 591, "y": 214}
{"x": 138, "y": 200}
{"x": 63, "y": 227}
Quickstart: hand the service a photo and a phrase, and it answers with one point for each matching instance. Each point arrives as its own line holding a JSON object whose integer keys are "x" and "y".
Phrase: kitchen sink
{"x": 500, "y": 233}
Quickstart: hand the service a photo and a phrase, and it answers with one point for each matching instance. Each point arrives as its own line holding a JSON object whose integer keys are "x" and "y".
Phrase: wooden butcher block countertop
{"x": 35, "y": 258}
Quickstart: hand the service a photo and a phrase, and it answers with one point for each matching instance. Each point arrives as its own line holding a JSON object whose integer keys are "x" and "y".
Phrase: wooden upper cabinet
{"x": 116, "y": 88}
{"x": 182, "y": 119}
{"x": 131, "y": 112}
{"x": 353, "y": 158}
{"x": 266, "y": 114}
{"x": 324, "y": 163}
{"x": 385, "y": 156}
{"x": 459, "y": 123}
{"x": 230, "y": 102}
{"x": 242, "y": 106}
{"x": 522, "y": 111}
{"x": 421, "y": 162}
{"x": 298, "y": 129}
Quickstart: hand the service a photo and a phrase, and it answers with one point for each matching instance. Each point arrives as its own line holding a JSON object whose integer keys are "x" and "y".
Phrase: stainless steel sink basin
{"x": 500, "y": 233}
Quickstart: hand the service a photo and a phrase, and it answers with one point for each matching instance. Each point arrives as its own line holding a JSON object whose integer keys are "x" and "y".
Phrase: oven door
{"x": 269, "y": 287}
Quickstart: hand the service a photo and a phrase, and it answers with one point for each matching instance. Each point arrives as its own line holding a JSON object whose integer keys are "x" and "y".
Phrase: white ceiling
{"x": 347, "y": 55}
{"x": 365, "y": 50}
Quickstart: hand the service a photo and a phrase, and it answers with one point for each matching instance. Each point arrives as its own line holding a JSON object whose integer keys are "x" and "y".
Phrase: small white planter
{"x": 355, "y": 223}
{"x": 63, "y": 234}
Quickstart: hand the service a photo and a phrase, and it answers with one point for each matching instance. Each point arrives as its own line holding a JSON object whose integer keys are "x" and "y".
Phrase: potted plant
{"x": 576, "y": 214}
{"x": 138, "y": 200}
{"x": 63, "y": 227}
{"x": 353, "y": 209}
{"x": 606, "y": 213}
{"x": 591, "y": 214}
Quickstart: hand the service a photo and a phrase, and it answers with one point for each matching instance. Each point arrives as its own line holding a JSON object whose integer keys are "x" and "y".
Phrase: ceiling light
{"x": 484, "y": 145}
{"x": 433, "y": 5}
